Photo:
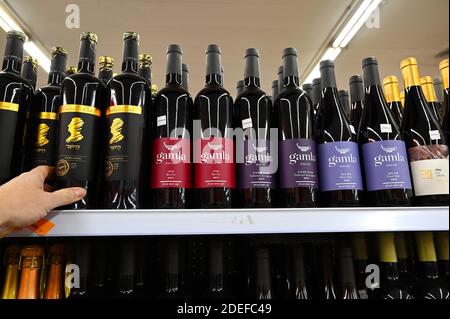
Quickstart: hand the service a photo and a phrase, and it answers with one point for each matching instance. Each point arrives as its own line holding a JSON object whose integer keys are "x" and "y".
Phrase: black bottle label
{"x": 44, "y": 139}
{"x": 9, "y": 115}
{"x": 77, "y": 142}
{"x": 125, "y": 124}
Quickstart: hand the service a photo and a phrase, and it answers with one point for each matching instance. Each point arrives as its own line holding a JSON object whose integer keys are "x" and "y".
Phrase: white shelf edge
{"x": 243, "y": 221}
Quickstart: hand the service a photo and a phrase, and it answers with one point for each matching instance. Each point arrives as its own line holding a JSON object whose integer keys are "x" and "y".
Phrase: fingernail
{"x": 80, "y": 192}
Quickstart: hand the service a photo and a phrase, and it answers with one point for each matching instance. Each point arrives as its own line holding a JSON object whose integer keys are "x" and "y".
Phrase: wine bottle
{"x": 439, "y": 90}
{"x": 360, "y": 261}
{"x": 16, "y": 95}
{"x": 126, "y": 120}
{"x": 402, "y": 99}
{"x": 185, "y": 77}
{"x": 339, "y": 164}
{"x": 30, "y": 69}
{"x": 297, "y": 148}
{"x": 42, "y": 122}
{"x": 80, "y": 123}
{"x": 214, "y": 169}
{"x": 357, "y": 99}
{"x": 280, "y": 79}
{"x": 216, "y": 284}
{"x": 404, "y": 261}
{"x": 32, "y": 259}
{"x": 54, "y": 288}
{"x": 274, "y": 91}
{"x": 281, "y": 263}
{"x": 71, "y": 70}
{"x": 101, "y": 260}
{"x": 392, "y": 94}
{"x": 127, "y": 269}
{"x": 347, "y": 280}
{"x": 390, "y": 284}
{"x": 387, "y": 177}
{"x": 301, "y": 287}
{"x": 145, "y": 67}
{"x": 172, "y": 131}
{"x": 81, "y": 258}
{"x": 317, "y": 96}
{"x": 105, "y": 69}
{"x": 426, "y": 83}
{"x": 445, "y": 121}
{"x": 11, "y": 279}
{"x": 173, "y": 278}
{"x": 442, "y": 250}
{"x": 426, "y": 142}
{"x": 308, "y": 88}
{"x": 239, "y": 87}
{"x": 429, "y": 285}
{"x": 344, "y": 99}
{"x": 256, "y": 166}
{"x": 263, "y": 282}
{"x": 327, "y": 288}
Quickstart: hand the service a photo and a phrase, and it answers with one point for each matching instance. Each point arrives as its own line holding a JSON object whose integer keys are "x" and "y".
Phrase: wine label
{"x": 256, "y": 171}
{"x": 126, "y": 132}
{"x": 435, "y": 135}
{"x": 386, "y": 128}
{"x": 339, "y": 166}
{"x": 77, "y": 142}
{"x": 8, "y": 121}
{"x": 298, "y": 163}
{"x": 247, "y": 123}
{"x": 214, "y": 163}
{"x": 386, "y": 165}
{"x": 171, "y": 163}
{"x": 44, "y": 139}
{"x": 429, "y": 169}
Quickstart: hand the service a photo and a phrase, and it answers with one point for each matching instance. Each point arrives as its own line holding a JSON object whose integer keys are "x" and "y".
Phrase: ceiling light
{"x": 330, "y": 54}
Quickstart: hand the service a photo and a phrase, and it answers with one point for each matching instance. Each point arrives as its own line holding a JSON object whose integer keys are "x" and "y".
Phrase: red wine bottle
{"x": 217, "y": 285}
{"x": 185, "y": 77}
{"x": 347, "y": 275}
{"x": 297, "y": 149}
{"x": 439, "y": 90}
{"x": 445, "y": 121}
{"x": 263, "y": 283}
{"x": 357, "y": 99}
{"x": 172, "y": 128}
{"x": 30, "y": 70}
{"x": 15, "y": 98}
{"x": 385, "y": 160}
{"x": 82, "y": 258}
{"x": 392, "y": 94}
{"x": 274, "y": 91}
{"x": 42, "y": 122}
{"x": 301, "y": 289}
{"x": 344, "y": 99}
{"x": 426, "y": 83}
{"x": 360, "y": 262}
{"x": 105, "y": 69}
{"x": 308, "y": 88}
{"x": 126, "y": 120}
{"x": 239, "y": 87}
{"x": 214, "y": 169}
{"x": 280, "y": 79}
{"x": 126, "y": 281}
{"x": 339, "y": 164}
{"x": 256, "y": 166}
{"x": 80, "y": 126}
{"x": 426, "y": 142}
{"x": 173, "y": 281}
{"x": 145, "y": 67}
{"x": 326, "y": 278}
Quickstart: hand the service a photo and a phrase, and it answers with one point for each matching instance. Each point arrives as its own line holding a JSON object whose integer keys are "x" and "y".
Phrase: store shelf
{"x": 241, "y": 221}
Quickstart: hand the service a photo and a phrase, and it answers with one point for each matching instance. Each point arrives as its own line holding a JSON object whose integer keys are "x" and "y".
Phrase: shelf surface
{"x": 243, "y": 221}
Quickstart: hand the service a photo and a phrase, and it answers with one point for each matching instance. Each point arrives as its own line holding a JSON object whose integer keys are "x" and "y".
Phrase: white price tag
{"x": 247, "y": 123}
{"x": 352, "y": 128}
{"x": 386, "y": 128}
{"x": 435, "y": 135}
{"x": 161, "y": 120}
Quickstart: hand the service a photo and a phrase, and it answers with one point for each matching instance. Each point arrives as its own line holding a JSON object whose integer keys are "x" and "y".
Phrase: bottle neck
{"x": 105, "y": 75}
{"x": 252, "y": 81}
{"x": 130, "y": 66}
{"x": 12, "y": 61}
{"x": 411, "y": 76}
{"x": 55, "y": 78}
{"x": 291, "y": 81}
{"x": 173, "y": 79}
{"x": 428, "y": 91}
{"x": 55, "y": 288}
{"x": 146, "y": 73}
{"x": 86, "y": 62}
{"x": 214, "y": 79}
{"x": 392, "y": 92}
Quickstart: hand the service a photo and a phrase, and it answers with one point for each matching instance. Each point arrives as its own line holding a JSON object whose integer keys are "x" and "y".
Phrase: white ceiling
{"x": 407, "y": 28}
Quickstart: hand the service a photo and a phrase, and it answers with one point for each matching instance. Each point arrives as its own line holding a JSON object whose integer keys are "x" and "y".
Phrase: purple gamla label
{"x": 386, "y": 165}
{"x": 258, "y": 167}
{"x": 298, "y": 163}
{"x": 339, "y": 166}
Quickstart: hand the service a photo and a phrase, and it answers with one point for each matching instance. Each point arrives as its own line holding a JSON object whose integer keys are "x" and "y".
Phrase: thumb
{"x": 66, "y": 196}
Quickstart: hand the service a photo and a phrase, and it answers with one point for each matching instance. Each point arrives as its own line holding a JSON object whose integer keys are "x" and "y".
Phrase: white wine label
{"x": 435, "y": 135}
{"x": 430, "y": 177}
{"x": 386, "y": 128}
{"x": 352, "y": 128}
{"x": 161, "y": 120}
{"x": 247, "y": 123}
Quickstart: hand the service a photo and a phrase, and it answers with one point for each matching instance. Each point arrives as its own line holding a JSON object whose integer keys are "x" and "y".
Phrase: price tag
{"x": 42, "y": 227}
{"x": 435, "y": 135}
{"x": 247, "y": 123}
{"x": 386, "y": 128}
{"x": 161, "y": 120}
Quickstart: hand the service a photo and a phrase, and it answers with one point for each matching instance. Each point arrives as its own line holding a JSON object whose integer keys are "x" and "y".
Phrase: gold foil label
{"x": 117, "y": 109}
{"x": 48, "y": 116}
{"x": 42, "y": 135}
{"x": 74, "y": 128}
{"x": 78, "y": 108}
{"x": 7, "y": 106}
{"x": 116, "y": 131}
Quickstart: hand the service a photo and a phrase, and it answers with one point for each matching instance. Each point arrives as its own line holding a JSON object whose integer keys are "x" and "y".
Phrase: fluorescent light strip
{"x": 8, "y": 24}
{"x": 330, "y": 54}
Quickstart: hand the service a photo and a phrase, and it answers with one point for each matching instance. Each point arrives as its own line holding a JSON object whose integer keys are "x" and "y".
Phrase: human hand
{"x": 25, "y": 200}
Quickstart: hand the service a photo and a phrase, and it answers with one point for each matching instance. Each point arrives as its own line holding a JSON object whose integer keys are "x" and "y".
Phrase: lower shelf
{"x": 243, "y": 221}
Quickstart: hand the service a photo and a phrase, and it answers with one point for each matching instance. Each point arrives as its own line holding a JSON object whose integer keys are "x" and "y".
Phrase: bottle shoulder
{"x": 172, "y": 89}
{"x": 213, "y": 90}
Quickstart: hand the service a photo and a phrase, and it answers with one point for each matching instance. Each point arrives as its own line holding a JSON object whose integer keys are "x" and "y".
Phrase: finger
{"x": 42, "y": 172}
{"x": 65, "y": 196}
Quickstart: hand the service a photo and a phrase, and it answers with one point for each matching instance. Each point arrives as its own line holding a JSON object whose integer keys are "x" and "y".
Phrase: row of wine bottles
{"x": 129, "y": 150}
{"x": 354, "y": 266}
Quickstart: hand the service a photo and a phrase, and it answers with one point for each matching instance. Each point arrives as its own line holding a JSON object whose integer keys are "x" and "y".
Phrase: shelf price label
{"x": 42, "y": 227}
